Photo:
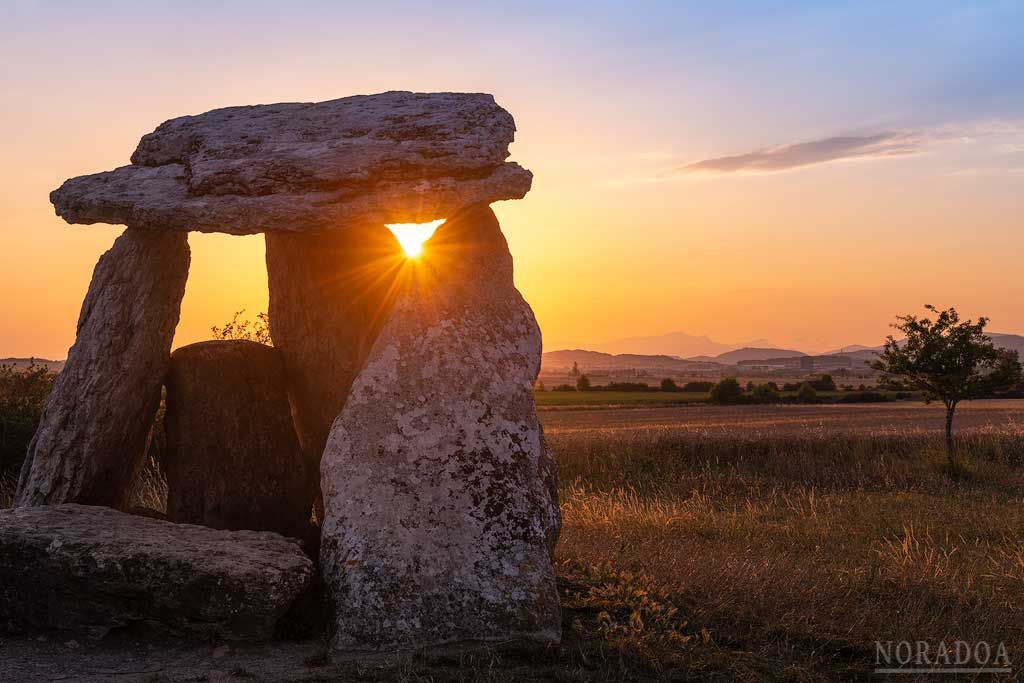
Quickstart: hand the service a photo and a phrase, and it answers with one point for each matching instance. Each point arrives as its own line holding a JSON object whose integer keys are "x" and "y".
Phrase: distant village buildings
{"x": 803, "y": 363}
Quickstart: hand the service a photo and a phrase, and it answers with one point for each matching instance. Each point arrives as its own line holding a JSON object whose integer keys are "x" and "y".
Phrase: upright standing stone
{"x": 232, "y": 459}
{"x": 96, "y": 423}
{"x": 437, "y": 510}
{"x": 329, "y": 295}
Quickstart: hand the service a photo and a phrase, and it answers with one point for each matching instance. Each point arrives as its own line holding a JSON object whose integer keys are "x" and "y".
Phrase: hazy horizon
{"x": 787, "y": 171}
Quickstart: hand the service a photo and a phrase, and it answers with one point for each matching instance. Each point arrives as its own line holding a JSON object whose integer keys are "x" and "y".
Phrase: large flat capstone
{"x": 91, "y": 569}
{"x": 394, "y": 157}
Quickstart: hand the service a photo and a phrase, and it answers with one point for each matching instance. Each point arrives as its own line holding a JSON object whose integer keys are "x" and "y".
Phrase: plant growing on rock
{"x": 257, "y": 331}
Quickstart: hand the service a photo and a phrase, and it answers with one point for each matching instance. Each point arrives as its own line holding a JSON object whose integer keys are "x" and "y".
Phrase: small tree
{"x": 583, "y": 383}
{"x": 668, "y": 384}
{"x": 949, "y": 360}
{"x": 826, "y": 383}
{"x": 765, "y": 393}
{"x": 727, "y": 391}
{"x": 806, "y": 393}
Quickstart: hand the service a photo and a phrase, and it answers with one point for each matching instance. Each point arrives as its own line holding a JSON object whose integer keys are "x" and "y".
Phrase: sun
{"x": 412, "y": 235}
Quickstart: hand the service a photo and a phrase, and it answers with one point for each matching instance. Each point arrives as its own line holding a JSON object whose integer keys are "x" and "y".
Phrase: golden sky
{"x": 800, "y": 178}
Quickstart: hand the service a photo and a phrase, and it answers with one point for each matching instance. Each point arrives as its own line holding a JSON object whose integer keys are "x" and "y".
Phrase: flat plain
{"x": 785, "y": 541}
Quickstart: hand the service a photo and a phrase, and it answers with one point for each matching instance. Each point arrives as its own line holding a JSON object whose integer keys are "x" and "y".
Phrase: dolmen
{"x": 392, "y": 420}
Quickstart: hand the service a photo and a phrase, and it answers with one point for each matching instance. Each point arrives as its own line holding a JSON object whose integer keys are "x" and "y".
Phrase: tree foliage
{"x": 807, "y": 393}
{"x": 766, "y": 393}
{"x": 727, "y": 391}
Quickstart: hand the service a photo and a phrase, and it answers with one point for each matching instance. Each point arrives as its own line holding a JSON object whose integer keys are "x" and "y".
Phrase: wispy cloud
{"x": 786, "y": 157}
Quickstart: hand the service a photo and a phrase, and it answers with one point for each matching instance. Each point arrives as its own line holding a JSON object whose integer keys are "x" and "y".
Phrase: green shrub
{"x": 807, "y": 394}
{"x": 727, "y": 391}
{"x": 22, "y": 394}
{"x": 763, "y": 393}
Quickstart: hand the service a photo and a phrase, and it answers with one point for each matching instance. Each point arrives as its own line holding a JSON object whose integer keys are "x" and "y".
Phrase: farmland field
{"x": 774, "y": 420}
{"x": 789, "y": 539}
{"x": 573, "y": 399}
{"x": 618, "y": 398}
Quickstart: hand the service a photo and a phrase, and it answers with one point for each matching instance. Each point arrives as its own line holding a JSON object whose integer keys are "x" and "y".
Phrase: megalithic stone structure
{"x": 329, "y": 295}
{"x": 409, "y": 382}
{"x": 97, "y": 420}
{"x": 438, "y": 515}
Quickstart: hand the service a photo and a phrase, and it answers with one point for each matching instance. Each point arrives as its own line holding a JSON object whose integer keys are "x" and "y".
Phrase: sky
{"x": 796, "y": 172}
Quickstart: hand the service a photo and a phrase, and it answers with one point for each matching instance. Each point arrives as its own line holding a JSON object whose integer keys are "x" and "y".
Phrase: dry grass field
{"x": 788, "y": 539}
{"x": 741, "y": 543}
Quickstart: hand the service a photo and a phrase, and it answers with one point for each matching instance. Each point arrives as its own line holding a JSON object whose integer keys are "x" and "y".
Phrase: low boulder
{"x": 91, "y": 569}
{"x": 233, "y": 459}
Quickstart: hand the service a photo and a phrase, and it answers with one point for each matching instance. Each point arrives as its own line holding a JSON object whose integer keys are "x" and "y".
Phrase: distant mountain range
{"x": 678, "y": 344}
{"x": 601, "y": 360}
{"x": 596, "y": 360}
{"x": 753, "y": 353}
{"x": 637, "y": 359}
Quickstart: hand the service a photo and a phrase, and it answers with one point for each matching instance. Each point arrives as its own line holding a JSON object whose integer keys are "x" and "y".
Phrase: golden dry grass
{"x": 796, "y": 548}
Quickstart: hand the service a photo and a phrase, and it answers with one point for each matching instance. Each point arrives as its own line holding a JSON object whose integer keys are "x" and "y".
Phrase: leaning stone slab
{"x": 96, "y": 422}
{"x": 92, "y": 569}
{"x": 394, "y": 157}
{"x": 232, "y": 459}
{"x": 438, "y": 515}
{"x": 330, "y": 294}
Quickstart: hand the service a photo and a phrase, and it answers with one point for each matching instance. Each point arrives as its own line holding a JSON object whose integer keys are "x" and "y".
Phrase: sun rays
{"x": 412, "y": 235}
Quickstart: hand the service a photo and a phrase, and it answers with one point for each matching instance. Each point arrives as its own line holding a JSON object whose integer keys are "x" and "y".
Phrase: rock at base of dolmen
{"x": 96, "y": 423}
{"x": 438, "y": 515}
{"x": 233, "y": 459}
{"x": 91, "y": 569}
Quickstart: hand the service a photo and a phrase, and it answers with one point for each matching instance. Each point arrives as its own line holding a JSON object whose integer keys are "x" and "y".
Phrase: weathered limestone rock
{"x": 233, "y": 460}
{"x": 91, "y": 569}
{"x": 437, "y": 511}
{"x": 553, "y": 510}
{"x": 329, "y": 295}
{"x": 394, "y": 157}
{"x": 96, "y": 423}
